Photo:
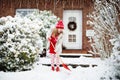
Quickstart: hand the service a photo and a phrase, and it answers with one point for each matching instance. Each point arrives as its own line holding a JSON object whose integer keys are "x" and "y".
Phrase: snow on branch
{"x": 105, "y": 20}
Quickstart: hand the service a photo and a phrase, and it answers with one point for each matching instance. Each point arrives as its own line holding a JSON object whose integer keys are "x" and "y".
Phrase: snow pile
{"x": 22, "y": 38}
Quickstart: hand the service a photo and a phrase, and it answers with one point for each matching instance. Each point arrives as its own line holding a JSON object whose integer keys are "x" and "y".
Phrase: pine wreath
{"x": 72, "y": 26}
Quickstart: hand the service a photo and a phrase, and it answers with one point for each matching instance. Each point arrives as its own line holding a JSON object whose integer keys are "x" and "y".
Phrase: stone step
{"x": 70, "y": 55}
{"x": 74, "y": 51}
{"x": 83, "y": 62}
{"x": 74, "y": 65}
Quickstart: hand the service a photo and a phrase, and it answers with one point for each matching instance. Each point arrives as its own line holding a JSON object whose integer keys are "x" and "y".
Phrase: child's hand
{"x": 49, "y": 39}
{"x": 55, "y": 51}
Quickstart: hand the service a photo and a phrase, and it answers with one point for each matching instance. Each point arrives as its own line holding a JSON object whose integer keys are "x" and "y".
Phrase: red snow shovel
{"x": 63, "y": 64}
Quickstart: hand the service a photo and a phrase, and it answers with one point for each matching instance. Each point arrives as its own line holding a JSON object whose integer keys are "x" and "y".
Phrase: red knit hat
{"x": 60, "y": 24}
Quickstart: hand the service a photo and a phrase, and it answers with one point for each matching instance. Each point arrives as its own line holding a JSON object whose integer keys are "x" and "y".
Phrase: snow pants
{"x": 55, "y": 60}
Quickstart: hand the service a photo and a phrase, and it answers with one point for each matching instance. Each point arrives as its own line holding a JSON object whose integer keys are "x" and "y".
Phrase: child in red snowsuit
{"x": 55, "y": 47}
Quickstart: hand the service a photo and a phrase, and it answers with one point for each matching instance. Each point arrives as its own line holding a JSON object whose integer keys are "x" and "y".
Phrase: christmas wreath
{"x": 72, "y": 26}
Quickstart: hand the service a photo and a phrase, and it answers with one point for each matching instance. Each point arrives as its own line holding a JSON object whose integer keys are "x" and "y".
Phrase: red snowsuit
{"x": 55, "y": 46}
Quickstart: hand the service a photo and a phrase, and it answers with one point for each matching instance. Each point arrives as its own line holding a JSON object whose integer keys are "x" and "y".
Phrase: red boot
{"x": 52, "y": 68}
{"x": 57, "y": 69}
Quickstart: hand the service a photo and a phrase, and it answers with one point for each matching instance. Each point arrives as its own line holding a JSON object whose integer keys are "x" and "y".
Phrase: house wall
{"x": 8, "y": 7}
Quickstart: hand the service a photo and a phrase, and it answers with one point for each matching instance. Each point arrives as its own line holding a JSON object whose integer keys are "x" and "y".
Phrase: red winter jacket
{"x": 53, "y": 41}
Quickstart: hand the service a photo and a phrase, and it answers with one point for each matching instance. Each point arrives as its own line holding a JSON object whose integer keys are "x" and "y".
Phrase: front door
{"x": 73, "y": 29}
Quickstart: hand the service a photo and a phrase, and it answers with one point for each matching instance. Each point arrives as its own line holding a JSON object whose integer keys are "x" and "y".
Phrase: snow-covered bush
{"x": 106, "y": 24}
{"x": 105, "y": 21}
{"x": 19, "y": 43}
{"x": 22, "y": 38}
{"x": 113, "y": 63}
{"x": 47, "y": 18}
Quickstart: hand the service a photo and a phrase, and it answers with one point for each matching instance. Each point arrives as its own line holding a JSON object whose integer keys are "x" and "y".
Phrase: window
{"x": 72, "y": 38}
{"x": 72, "y": 19}
{"x": 24, "y": 12}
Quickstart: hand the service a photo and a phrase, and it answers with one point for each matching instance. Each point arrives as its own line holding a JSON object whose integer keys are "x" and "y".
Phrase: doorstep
{"x": 75, "y": 55}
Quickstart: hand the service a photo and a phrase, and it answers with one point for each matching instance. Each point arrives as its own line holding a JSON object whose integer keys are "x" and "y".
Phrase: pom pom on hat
{"x": 60, "y": 25}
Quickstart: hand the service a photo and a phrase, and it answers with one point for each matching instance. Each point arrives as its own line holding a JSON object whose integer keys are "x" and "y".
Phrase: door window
{"x": 72, "y": 38}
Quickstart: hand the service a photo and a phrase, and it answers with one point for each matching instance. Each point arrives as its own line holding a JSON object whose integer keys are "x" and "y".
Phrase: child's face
{"x": 60, "y": 30}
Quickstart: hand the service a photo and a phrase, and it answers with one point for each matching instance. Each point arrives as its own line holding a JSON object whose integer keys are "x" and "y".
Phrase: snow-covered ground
{"x": 41, "y": 72}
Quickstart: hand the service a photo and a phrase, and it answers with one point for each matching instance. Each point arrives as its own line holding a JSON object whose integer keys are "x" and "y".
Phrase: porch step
{"x": 75, "y": 60}
{"x": 75, "y": 55}
{"x": 77, "y": 51}
{"x": 74, "y": 65}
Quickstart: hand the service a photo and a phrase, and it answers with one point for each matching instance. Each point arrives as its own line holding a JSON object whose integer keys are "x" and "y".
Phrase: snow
{"x": 80, "y": 60}
{"x": 40, "y": 72}
{"x": 43, "y": 73}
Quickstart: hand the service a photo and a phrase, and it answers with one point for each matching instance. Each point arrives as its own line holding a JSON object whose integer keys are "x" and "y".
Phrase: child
{"x": 55, "y": 44}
